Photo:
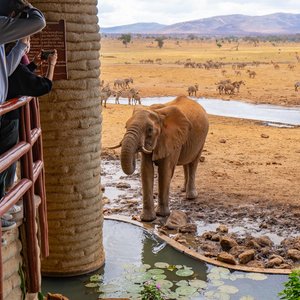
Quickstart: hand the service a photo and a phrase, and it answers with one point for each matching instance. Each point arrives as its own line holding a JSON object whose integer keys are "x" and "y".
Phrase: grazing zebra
{"x": 297, "y": 85}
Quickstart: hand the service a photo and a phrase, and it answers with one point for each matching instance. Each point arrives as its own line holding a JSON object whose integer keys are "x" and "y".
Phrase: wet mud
{"x": 272, "y": 230}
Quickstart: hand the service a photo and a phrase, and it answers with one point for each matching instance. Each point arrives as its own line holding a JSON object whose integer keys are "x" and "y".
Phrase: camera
{"x": 45, "y": 54}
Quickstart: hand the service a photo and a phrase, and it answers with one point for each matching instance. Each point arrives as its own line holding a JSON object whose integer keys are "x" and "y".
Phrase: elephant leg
{"x": 147, "y": 174}
{"x": 191, "y": 191}
{"x": 165, "y": 174}
{"x": 186, "y": 175}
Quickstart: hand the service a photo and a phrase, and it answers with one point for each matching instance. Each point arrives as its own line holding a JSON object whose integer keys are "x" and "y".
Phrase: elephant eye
{"x": 149, "y": 131}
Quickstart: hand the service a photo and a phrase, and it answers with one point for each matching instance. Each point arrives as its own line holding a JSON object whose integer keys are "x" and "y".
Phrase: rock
{"x": 176, "y": 220}
{"x": 209, "y": 247}
{"x": 202, "y": 159}
{"x": 237, "y": 250}
{"x": 253, "y": 244}
{"x": 222, "y": 229}
{"x": 216, "y": 238}
{"x": 222, "y": 141}
{"x": 294, "y": 254}
{"x": 276, "y": 261}
{"x": 226, "y": 257}
{"x": 246, "y": 256}
{"x": 208, "y": 235}
{"x": 266, "y": 251}
{"x": 227, "y": 243}
{"x": 105, "y": 200}
{"x": 123, "y": 185}
{"x": 264, "y": 136}
{"x": 255, "y": 264}
{"x": 189, "y": 228}
{"x": 264, "y": 241}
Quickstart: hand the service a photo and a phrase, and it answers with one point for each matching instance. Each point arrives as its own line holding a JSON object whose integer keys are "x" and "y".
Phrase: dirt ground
{"x": 250, "y": 171}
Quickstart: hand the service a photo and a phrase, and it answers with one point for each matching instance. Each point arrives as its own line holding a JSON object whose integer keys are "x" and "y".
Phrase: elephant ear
{"x": 174, "y": 132}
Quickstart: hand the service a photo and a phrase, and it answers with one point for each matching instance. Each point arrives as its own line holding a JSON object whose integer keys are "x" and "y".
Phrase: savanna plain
{"x": 249, "y": 171}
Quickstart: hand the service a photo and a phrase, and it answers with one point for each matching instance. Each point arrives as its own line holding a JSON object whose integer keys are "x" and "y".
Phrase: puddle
{"x": 237, "y": 109}
{"x": 128, "y": 249}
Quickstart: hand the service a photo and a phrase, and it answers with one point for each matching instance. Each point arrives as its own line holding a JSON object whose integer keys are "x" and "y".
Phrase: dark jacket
{"x": 23, "y": 82}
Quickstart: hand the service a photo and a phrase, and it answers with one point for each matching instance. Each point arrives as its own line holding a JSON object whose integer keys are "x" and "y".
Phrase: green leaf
{"x": 184, "y": 272}
{"x": 182, "y": 283}
{"x": 199, "y": 284}
{"x": 228, "y": 289}
{"x": 186, "y": 290}
{"x": 96, "y": 278}
{"x": 161, "y": 265}
{"x": 92, "y": 285}
{"x": 256, "y": 276}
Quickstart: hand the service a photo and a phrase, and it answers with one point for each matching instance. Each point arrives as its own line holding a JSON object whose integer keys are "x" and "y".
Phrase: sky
{"x": 122, "y": 12}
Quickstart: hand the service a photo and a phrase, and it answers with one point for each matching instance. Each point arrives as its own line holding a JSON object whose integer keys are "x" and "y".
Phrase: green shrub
{"x": 292, "y": 287}
{"x": 151, "y": 291}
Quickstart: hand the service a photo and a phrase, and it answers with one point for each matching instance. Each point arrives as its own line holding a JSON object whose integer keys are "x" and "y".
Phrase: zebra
{"x": 297, "y": 85}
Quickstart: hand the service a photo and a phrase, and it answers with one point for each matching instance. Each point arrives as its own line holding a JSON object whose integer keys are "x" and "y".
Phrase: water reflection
{"x": 238, "y": 109}
{"x": 126, "y": 244}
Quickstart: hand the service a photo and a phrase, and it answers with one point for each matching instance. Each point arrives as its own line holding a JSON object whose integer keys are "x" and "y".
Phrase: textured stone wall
{"x": 11, "y": 259}
{"x": 71, "y": 124}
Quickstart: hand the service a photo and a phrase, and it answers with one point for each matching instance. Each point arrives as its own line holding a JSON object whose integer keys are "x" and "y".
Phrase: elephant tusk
{"x": 115, "y": 147}
{"x": 146, "y": 151}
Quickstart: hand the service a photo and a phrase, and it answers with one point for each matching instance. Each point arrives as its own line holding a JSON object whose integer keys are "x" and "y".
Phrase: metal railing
{"x": 32, "y": 182}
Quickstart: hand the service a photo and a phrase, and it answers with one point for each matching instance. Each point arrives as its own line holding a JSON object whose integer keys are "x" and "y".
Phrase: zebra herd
{"x": 121, "y": 89}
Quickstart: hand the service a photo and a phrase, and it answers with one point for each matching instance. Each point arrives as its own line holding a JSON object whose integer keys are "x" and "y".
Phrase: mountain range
{"x": 278, "y": 23}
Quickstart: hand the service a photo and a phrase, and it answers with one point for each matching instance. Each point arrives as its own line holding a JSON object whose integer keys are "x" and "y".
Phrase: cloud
{"x": 120, "y": 12}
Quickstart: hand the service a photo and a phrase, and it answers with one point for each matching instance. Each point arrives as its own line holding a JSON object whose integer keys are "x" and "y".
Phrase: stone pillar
{"x": 71, "y": 124}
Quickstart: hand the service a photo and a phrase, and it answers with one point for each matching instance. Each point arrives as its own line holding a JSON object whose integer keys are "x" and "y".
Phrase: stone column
{"x": 71, "y": 124}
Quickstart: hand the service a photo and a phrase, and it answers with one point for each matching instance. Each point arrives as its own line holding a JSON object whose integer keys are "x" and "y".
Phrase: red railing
{"x": 32, "y": 182}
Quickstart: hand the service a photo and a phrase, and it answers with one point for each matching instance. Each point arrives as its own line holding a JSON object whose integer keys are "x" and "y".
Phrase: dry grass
{"x": 170, "y": 79}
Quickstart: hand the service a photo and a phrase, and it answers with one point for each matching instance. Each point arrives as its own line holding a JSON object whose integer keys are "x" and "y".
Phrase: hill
{"x": 278, "y": 23}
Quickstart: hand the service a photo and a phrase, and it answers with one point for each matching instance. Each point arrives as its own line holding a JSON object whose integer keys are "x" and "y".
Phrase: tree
{"x": 125, "y": 38}
{"x": 160, "y": 42}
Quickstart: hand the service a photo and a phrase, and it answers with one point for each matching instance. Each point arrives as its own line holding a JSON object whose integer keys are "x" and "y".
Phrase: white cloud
{"x": 120, "y": 12}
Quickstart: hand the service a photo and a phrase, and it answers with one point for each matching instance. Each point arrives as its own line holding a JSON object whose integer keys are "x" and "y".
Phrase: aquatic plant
{"x": 292, "y": 287}
{"x": 151, "y": 291}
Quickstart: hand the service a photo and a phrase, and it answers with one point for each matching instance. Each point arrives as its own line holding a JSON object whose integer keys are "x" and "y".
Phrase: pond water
{"x": 132, "y": 255}
{"x": 273, "y": 114}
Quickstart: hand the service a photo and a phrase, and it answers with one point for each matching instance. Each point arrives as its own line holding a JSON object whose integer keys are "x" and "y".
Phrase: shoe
{"x": 14, "y": 209}
{"x": 3, "y": 242}
{"x": 7, "y": 225}
{"x": 7, "y": 217}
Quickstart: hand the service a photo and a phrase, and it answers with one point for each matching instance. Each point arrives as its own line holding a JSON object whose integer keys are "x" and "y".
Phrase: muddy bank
{"x": 264, "y": 236}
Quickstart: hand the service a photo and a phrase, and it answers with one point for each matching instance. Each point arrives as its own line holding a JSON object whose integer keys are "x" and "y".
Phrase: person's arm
{"x": 14, "y": 28}
{"x": 15, "y": 55}
{"x": 52, "y": 59}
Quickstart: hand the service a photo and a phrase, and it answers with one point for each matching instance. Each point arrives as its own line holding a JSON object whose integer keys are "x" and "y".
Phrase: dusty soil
{"x": 166, "y": 78}
{"x": 250, "y": 171}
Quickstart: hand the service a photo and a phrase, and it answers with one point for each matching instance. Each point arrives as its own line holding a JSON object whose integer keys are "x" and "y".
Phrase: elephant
{"x": 192, "y": 90}
{"x": 166, "y": 135}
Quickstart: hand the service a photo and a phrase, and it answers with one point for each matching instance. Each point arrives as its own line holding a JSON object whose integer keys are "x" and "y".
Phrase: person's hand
{"x": 26, "y": 41}
{"x": 52, "y": 58}
{"x": 37, "y": 60}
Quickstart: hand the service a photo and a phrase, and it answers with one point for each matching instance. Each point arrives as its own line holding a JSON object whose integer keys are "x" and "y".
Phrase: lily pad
{"x": 184, "y": 272}
{"x": 92, "y": 285}
{"x": 186, "y": 290}
{"x": 182, "y": 283}
{"x": 179, "y": 266}
{"x": 214, "y": 276}
{"x": 256, "y": 276}
{"x": 198, "y": 284}
{"x": 228, "y": 289}
{"x": 164, "y": 284}
{"x": 140, "y": 278}
{"x": 216, "y": 282}
{"x": 146, "y": 266}
{"x": 161, "y": 265}
{"x": 221, "y": 296}
{"x": 109, "y": 288}
{"x": 247, "y": 298}
{"x": 155, "y": 271}
{"x": 169, "y": 294}
{"x": 209, "y": 294}
{"x": 159, "y": 277}
{"x": 96, "y": 278}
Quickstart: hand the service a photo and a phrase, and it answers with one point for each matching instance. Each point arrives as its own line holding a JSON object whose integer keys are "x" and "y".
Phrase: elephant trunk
{"x": 130, "y": 146}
